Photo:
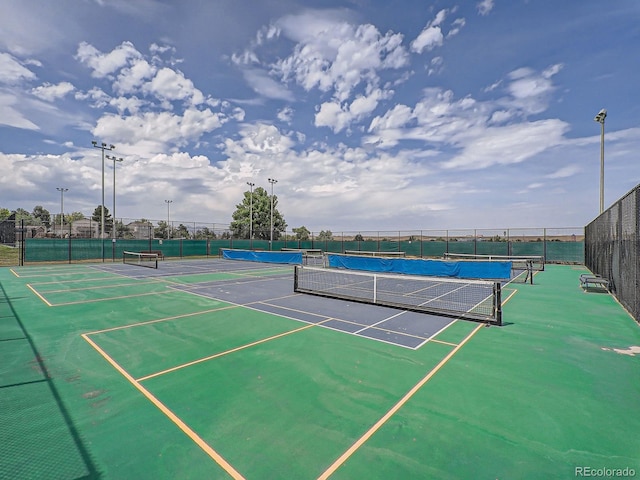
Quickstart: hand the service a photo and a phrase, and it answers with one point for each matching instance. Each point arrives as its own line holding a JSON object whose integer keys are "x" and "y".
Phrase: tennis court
{"x": 218, "y": 369}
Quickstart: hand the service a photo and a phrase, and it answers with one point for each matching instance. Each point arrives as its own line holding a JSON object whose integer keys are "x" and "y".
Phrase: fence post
{"x": 70, "y": 249}
{"x": 23, "y": 243}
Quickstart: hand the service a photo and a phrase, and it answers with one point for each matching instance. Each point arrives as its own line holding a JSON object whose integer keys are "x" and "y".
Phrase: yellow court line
{"x": 509, "y": 297}
{"x": 81, "y": 302}
{"x": 237, "y": 349}
{"x": 52, "y": 273}
{"x": 38, "y": 295}
{"x": 165, "y": 319}
{"x": 345, "y": 456}
{"x": 96, "y": 287}
{"x": 443, "y": 342}
{"x": 172, "y": 416}
{"x": 91, "y": 279}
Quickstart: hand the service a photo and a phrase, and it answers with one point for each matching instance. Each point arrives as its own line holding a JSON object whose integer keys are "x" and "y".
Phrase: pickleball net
{"x": 522, "y": 266}
{"x": 149, "y": 260}
{"x": 477, "y": 300}
{"x": 520, "y": 262}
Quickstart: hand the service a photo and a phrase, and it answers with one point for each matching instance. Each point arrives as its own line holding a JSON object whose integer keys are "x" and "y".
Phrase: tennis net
{"x": 149, "y": 260}
{"x": 477, "y": 300}
{"x": 522, "y": 266}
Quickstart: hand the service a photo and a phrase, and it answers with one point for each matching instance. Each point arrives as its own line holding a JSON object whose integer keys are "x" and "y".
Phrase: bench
{"x": 589, "y": 280}
{"x": 157, "y": 252}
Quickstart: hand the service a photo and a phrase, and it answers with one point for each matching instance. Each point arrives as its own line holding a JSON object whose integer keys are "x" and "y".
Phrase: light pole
{"x": 103, "y": 146}
{"x": 251, "y": 185}
{"x": 168, "y": 202}
{"x": 113, "y": 213}
{"x": 602, "y": 114}
{"x": 271, "y": 181}
{"x": 61, "y": 190}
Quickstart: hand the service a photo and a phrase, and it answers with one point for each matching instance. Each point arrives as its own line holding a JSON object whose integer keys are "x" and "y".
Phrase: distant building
{"x": 140, "y": 230}
{"x": 85, "y": 228}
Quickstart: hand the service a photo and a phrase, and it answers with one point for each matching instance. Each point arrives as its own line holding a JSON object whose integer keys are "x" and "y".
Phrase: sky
{"x": 371, "y": 115}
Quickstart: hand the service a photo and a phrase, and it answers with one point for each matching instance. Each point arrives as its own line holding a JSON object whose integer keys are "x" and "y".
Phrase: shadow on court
{"x": 36, "y": 428}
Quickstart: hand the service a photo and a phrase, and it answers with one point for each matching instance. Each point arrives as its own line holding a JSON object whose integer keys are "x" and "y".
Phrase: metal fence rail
{"x": 37, "y": 244}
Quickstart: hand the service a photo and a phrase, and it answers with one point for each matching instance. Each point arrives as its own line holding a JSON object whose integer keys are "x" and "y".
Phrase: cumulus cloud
{"x": 530, "y": 90}
{"x": 96, "y": 96}
{"x": 336, "y": 56}
{"x": 485, "y": 6}
{"x": 440, "y": 120}
{"x": 339, "y": 116}
{"x": 331, "y": 179}
{"x": 285, "y": 114}
{"x": 158, "y": 130}
{"x": 431, "y": 36}
{"x": 172, "y": 85}
{"x": 130, "y": 78}
{"x": 50, "y": 92}
{"x": 456, "y": 26}
{"x": 104, "y": 64}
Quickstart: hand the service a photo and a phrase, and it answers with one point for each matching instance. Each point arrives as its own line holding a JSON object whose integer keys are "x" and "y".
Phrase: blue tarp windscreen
{"x": 434, "y": 268}
{"x": 265, "y": 257}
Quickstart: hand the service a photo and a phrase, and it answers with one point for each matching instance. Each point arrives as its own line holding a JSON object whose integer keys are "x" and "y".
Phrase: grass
{"x": 9, "y": 256}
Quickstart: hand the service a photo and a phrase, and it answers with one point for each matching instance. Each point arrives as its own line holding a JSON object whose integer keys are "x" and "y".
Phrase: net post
{"x": 498, "y": 303}
{"x": 295, "y": 278}
{"x": 375, "y": 289}
{"x": 23, "y": 244}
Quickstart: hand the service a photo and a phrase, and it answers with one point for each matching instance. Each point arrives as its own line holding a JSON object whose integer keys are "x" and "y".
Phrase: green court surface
{"x": 111, "y": 377}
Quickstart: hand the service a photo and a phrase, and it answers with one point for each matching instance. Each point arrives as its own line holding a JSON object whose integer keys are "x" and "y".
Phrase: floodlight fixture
{"x": 113, "y": 213}
{"x": 103, "y": 146}
{"x": 168, "y": 202}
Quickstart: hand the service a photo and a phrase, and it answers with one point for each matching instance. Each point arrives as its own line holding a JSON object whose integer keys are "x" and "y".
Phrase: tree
{"x": 182, "y": 232}
{"x": 97, "y": 216}
{"x": 302, "y": 233}
{"x": 205, "y": 233}
{"x": 325, "y": 235}
{"x": 260, "y": 206}
{"x": 73, "y": 216}
{"x": 122, "y": 230}
{"x": 22, "y": 214}
{"x": 42, "y": 215}
{"x": 162, "y": 230}
{"x": 358, "y": 238}
{"x": 4, "y": 213}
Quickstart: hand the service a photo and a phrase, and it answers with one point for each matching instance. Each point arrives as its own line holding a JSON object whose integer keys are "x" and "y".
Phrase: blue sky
{"x": 371, "y": 115}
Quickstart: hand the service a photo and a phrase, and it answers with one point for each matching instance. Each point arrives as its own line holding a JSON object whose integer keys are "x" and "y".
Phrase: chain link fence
{"x": 612, "y": 249}
{"x": 81, "y": 240}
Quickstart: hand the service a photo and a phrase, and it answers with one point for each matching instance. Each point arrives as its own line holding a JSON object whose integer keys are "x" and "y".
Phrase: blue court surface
{"x": 269, "y": 288}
